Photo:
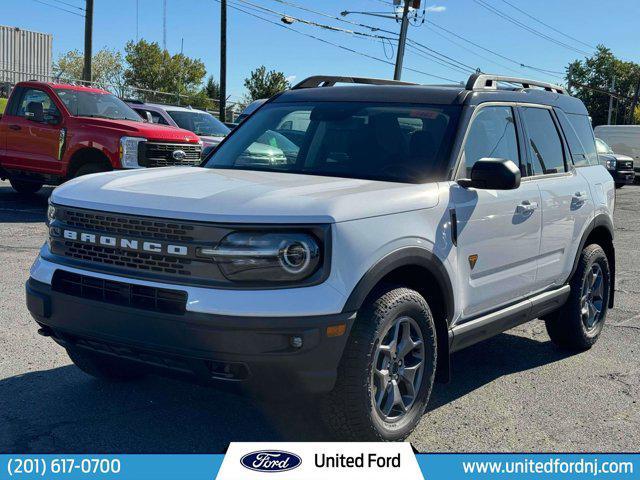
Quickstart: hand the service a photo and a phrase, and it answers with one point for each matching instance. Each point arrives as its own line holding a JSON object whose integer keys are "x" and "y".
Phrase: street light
{"x": 372, "y": 14}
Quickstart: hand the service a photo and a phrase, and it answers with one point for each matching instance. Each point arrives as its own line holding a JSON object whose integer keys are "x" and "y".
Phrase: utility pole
{"x": 613, "y": 88}
{"x": 88, "y": 34}
{"x": 397, "y": 75}
{"x": 164, "y": 24}
{"x": 223, "y": 61}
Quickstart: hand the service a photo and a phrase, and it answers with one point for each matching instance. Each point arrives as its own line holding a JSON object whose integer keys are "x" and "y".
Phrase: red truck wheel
{"x": 25, "y": 187}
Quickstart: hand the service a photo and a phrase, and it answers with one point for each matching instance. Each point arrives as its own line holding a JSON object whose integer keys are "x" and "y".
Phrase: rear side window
{"x": 33, "y": 100}
{"x": 582, "y": 127}
{"x": 491, "y": 135}
{"x": 546, "y": 153}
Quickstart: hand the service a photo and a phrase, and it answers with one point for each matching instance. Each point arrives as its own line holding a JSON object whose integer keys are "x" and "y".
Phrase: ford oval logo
{"x": 271, "y": 461}
{"x": 179, "y": 155}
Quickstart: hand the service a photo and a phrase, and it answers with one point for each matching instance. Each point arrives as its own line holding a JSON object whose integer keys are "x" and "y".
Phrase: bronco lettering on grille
{"x": 121, "y": 242}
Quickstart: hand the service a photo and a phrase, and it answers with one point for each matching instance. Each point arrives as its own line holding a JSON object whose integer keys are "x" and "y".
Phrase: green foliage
{"x": 596, "y": 72}
{"x": 107, "y": 68}
{"x": 150, "y": 67}
{"x": 212, "y": 88}
{"x": 263, "y": 84}
{"x": 3, "y": 104}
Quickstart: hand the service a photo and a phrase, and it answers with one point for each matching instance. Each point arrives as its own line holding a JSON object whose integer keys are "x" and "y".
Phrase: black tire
{"x": 619, "y": 185}
{"x": 25, "y": 187}
{"x": 104, "y": 367}
{"x": 349, "y": 410}
{"x": 566, "y": 326}
{"x": 89, "y": 168}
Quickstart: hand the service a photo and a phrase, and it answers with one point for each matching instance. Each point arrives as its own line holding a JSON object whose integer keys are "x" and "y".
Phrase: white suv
{"x": 405, "y": 222}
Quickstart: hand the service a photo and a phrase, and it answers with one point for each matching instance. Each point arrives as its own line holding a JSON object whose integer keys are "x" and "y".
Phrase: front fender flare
{"x": 406, "y": 256}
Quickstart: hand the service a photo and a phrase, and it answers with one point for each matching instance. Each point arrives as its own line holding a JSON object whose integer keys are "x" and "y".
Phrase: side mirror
{"x": 148, "y": 118}
{"x": 493, "y": 174}
{"x": 34, "y": 112}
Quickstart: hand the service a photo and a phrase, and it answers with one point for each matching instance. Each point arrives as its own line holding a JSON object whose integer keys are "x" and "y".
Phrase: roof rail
{"x": 483, "y": 81}
{"x": 330, "y": 81}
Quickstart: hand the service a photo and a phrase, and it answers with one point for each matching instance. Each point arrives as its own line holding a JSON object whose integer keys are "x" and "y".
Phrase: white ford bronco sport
{"x": 386, "y": 226}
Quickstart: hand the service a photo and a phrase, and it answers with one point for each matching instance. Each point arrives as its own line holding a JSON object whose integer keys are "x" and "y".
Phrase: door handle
{"x": 15, "y": 127}
{"x": 526, "y": 207}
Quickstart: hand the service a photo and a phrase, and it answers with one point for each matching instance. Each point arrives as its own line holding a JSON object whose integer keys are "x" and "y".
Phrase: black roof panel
{"x": 431, "y": 94}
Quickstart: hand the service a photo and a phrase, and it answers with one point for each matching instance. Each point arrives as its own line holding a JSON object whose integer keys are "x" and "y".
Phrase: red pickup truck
{"x": 50, "y": 133}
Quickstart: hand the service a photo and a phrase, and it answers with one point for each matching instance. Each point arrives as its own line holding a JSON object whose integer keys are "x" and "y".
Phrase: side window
{"x": 36, "y": 100}
{"x": 546, "y": 153}
{"x": 582, "y": 126}
{"x": 492, "y": 135}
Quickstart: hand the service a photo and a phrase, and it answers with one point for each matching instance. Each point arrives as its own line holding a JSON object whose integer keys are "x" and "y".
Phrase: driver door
{"x": 498, "y": 230}
{"x": 33, "y": 139}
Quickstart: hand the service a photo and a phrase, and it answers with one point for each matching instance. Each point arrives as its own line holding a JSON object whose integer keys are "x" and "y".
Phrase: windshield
{"x": 380, "y": 141}
{"x": 95, "y": 104}
{"x": 602, "y": 147}
{"x": 200, "y": 123}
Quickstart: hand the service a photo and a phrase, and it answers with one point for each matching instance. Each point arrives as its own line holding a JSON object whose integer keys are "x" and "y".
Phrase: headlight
{"x": 51, "y": 214}
{"x": 611, "y": 164}
{"x": 129, "y": 151}
{"x": 266, "y": 257}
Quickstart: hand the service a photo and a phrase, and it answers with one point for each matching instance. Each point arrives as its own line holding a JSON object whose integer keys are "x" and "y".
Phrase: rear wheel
{"x": 578, "y": 324}
{"x": 104, "y": 367}
{"x": 387, "y": 370}
{"x": 25, "y": 187}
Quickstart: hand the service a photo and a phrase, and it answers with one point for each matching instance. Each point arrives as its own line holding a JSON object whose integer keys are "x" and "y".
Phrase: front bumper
{"x": 255, "y": 352}
{"x": 624, "y": 177}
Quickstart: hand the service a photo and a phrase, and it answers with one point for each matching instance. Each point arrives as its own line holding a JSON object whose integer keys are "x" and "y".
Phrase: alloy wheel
{"x": 397, "y": 369}
{"x": 592, "y": 298}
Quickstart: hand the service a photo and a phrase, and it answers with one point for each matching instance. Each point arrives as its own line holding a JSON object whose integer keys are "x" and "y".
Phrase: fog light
{"x": 296, "y": 342}
{"x": 336, "y": 330}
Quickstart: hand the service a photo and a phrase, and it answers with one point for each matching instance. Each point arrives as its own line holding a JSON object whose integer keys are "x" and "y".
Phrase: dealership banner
{"x": 333, "y": 461}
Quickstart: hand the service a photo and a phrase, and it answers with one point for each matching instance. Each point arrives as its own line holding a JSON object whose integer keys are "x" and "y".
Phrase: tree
{"x": 593, "y": 75}
{"x": 150, "y": 67}
{"x": 107, "y": 69}
{"x": 212, "y": 88}
{"x": 263, "y": 84}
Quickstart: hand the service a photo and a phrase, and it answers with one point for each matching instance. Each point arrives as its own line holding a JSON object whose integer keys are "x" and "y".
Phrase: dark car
{"x": 620, "y": 166}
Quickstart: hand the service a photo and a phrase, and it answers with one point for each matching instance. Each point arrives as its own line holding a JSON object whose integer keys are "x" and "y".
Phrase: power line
{"x": 342, "y": 47}
{"x": 526, "y": 27}
{"x": 493, "y": 52}
{"x": 422, "y": 54}
{"x": 59, "y": 8}
{"x": 333, "y": 17}
{"x": 314, "y": 24}
{"x": 547, "y": 25}
{"x": 444, "y": 58}
{"x": 69, "y": 5}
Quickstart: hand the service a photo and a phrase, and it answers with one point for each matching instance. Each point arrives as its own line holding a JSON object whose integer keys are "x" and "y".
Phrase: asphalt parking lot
{"x": 515, "y": 392}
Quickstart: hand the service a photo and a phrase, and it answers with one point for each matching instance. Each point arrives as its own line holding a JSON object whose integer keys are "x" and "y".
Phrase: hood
{"x": 622, "y": 158}
{"x": 151, "y": 131}
{"x": 241, "y": 196}
{"x": 211, "y": 140}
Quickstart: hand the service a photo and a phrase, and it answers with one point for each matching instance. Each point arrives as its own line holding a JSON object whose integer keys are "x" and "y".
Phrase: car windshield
{"x": 96, "y": 104}
{"x": 200, "y": 123}
{"x": 602, "y": 147}
{"x": 380, "y": 141}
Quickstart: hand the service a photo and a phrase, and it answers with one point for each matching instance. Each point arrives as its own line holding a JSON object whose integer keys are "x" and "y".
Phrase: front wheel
{"x": 387, "y": 370}
{"x": 24, "y": 187}
{"x": 578, "y": 324}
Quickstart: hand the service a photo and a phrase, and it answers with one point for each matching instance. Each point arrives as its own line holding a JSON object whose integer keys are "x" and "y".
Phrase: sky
{"x": 253, "y": 42}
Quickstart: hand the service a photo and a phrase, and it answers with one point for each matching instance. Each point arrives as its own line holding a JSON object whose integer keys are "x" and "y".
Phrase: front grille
{"x": 625, "y": 165}
{"x": 154, "y": 154}
{"x": 119, "y": 293}
{"x": 122, "y": 258}
{"x": 123, "y": 225}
